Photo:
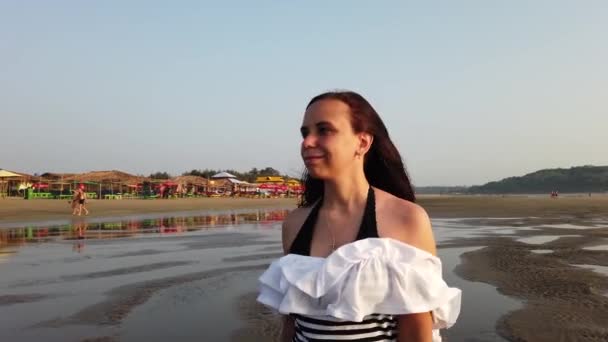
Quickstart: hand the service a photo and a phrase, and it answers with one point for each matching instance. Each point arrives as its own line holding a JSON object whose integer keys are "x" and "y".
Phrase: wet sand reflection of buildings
{"x": 82, "y": 229}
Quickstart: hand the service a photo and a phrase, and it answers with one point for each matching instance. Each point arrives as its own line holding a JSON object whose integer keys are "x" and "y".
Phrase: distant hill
{"x": 575, "y": 179}
{"x": 425, "y": 190}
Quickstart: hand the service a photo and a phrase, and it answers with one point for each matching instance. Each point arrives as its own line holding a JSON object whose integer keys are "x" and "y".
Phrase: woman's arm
{"x": 287, "y": 331}
{"x": 415, "y": 327}
{"x": 412, "y": 225}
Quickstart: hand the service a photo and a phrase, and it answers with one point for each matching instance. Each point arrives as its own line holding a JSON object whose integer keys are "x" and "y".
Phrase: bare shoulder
{"x": 404, "y": 221}
{"x": 291, "y": 226}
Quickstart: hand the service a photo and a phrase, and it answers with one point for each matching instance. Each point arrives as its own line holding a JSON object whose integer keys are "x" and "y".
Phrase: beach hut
{"x": 58, "y": 183}
{"x": 224, "y": 183}
{"x": 270, "y": 180}
{"x": 8, "y": 174}
{"x": 220, "y": 184}
{"x": 190, "y": 185}
{"x": 241, "y": 187}
{"x": 279, "y": 185}
{"x": 109, "y": 182}
{"x": 5, "y": 179}
{"x": 223, "y": 175}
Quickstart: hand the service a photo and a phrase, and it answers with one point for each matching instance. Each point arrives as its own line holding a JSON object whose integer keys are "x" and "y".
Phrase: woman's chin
{"x": 317, "y": 173}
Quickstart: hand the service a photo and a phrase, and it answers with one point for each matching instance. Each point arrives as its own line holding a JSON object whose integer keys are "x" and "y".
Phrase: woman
{"x": 360, "y": 260}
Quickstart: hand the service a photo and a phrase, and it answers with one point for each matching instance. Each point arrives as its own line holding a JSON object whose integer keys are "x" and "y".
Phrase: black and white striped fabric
{"x": 375, "y": 327}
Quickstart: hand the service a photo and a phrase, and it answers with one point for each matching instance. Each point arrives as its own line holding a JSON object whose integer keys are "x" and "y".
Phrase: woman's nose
{"x": 309, "y": 141}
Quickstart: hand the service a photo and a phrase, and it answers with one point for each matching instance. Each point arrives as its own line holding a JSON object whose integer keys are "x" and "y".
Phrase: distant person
{"x": 74, "y": 202}
{"x": 81, "y": 197}
{"x": 361, "y": 257}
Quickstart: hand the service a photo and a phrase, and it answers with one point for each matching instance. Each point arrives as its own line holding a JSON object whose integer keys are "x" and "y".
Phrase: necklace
{"x": 333, "y": 238}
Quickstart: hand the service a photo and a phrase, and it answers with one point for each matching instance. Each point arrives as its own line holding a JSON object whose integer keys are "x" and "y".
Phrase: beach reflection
{"x": 81, "y": 228}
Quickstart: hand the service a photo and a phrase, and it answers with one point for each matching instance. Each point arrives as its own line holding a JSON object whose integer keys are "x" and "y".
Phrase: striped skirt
{"x": 375, "y": 327}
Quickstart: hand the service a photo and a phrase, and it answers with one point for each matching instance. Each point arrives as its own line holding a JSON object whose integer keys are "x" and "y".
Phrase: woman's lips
{"x": 312, "y": 158}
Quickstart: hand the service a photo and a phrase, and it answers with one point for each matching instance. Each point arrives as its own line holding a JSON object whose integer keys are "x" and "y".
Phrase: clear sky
{"x": 471, "y": 91}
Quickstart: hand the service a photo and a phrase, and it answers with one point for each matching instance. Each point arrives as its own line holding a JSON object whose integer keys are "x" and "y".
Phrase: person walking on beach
{"x": 357, "y": 238}
{"x": 74, "y": 202}
{"x": 81, "y": 197}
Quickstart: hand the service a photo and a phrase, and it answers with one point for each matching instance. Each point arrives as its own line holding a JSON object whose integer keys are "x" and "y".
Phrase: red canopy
{"x": 275, "y": 187}
{"x": 268, "y": 186}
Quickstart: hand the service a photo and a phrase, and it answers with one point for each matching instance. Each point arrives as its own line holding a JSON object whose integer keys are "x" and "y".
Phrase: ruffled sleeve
{"x": 374, "y": 275}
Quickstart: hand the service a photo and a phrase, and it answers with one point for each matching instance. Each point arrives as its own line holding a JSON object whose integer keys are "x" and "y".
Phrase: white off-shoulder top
{"x": 359, "y": 281}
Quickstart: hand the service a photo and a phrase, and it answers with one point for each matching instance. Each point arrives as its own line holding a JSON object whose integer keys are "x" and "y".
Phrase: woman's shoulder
{"x": 292, "y": 224}
{"x": 404, "y": 221}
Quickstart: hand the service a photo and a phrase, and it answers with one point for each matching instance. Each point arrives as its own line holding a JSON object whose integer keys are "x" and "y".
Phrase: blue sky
{"x": 471, "y": 91}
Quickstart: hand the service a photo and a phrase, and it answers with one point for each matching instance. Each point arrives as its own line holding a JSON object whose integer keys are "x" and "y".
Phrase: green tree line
{"x": 249, "y": 176}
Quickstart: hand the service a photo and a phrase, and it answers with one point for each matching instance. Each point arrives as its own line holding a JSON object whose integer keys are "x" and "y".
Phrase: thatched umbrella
{"x": 193, "y": 181}
{"x": 53, "y": 176}
{"x": 59, "y": 179}
{"x": 108, "y": 177}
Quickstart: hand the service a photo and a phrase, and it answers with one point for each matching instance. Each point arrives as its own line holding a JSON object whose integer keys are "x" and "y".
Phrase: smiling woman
{"x": 360, "y": 263}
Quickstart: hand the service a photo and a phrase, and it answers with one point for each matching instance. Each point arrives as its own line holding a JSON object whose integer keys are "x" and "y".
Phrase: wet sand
{"x": 15, "y": 210}
{"x": 531, "y": 272}
{"x": 563, "y": 301}
{"x": 99, "y": 291}
{"x": 565, "y": 207}
{"x": 574, "y": 207}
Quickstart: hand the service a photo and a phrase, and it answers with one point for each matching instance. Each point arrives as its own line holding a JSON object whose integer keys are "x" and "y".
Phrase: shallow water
{"x": 173, "y": 277}
{"x": 542, "y": 251}
{"x": 542, "y": 239}
{"x": 596, "y": 248}
{"x": 448, "y": 229}
{"x": 206, "y": 308}
{"x": 568, "y": 226}
{"x": 603, "y": 270}
{"x": 482, "y": 305}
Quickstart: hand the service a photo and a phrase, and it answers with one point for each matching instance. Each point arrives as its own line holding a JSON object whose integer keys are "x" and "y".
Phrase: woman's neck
{"x": 347, "y": 194}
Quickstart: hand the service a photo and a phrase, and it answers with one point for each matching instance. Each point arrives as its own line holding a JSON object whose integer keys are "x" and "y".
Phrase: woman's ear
{"x": 365, "y": 143}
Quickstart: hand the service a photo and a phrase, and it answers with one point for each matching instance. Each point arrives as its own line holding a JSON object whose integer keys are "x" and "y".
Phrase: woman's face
{"x": 329, "y": 143}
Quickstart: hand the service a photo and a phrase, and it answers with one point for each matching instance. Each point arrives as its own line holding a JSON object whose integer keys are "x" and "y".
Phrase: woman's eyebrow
{"x": 318, "y": 124}
{"x": 324, "y": 123}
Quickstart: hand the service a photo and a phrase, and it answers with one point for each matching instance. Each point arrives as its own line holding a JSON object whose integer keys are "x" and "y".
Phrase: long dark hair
{"x": 382, "y": 165}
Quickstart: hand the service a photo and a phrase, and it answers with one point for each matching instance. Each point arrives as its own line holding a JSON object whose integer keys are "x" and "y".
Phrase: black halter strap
{"x": 368, "y": 228}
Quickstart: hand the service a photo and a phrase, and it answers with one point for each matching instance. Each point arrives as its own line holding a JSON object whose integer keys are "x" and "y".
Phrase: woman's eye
{"x": 324, "y": 130}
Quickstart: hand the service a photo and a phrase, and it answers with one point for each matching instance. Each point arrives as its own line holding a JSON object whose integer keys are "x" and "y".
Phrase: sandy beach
{"x": 15, "y": 211}
{"x": 579, "y": 207}
{"x": 531, "y": 268}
